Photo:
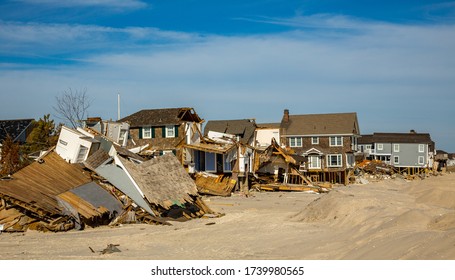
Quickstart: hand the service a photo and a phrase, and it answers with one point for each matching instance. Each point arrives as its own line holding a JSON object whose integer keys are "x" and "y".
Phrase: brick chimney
{"x": 285, "y": 116}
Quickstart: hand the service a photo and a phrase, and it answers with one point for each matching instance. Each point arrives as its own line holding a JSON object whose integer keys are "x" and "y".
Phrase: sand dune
{"x": 391, "y": 219}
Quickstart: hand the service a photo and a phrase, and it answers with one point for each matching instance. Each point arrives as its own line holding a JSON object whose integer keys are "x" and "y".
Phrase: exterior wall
{"x": 326, "y": 149}
{"x": 264, "y": 136}
{"x": 386, "y": 150}
{"x": 409, "y": 155}
{"x": 69, "y": 143}
{"x": 113, "y": 130}
{"x": 158, "y": 142}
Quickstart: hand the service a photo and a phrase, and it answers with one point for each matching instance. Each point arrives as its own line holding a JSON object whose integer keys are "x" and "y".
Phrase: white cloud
{"x": 41, "y": 39}
{"x": 397, "y": 77}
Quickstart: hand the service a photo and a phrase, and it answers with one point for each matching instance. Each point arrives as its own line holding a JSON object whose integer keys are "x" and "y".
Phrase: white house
{"x": 115, "y": 131}
{"x": 75, "y": 146}
{"x": 265, "y": 133}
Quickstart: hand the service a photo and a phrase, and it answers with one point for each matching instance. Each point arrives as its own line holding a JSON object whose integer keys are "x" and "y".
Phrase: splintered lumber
{"x": 296, "y": 188}
{"x": 214, "y": 184}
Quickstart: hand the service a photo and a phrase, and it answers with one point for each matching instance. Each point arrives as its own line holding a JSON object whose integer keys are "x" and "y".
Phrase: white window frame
{"x": 147, "y": 132}
{"x": 380, "y": 147}
{"x": 81, "y": 153}
{"x": 396, "y": 160}
{"x": 396, "y": 148}
{"x": 170, "y": 131}
{"x": 315, "y": 140}
{"x": 339, "y": 160}
{"x": 421, "y": 160}
{"x": 421, "y": 148}
{"x": 311, "y": 164}
{"x": 295, "y": 139}
{"x": 336, "y": 143}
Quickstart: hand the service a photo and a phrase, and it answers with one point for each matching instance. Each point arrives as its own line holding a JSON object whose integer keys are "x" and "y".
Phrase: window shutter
{"x": 140, "y": 132}
{"x": 163, "y": 132}
{"x": 153, "y": 132}
{"x": 176, "y": 131}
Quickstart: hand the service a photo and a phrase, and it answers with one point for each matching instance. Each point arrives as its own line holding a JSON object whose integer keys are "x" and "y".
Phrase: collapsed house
{"x": 93, "y": 181}
{"x": 52, "y": 195}
{"x": 213, "y": 165}
{"x": 277, "y": 169}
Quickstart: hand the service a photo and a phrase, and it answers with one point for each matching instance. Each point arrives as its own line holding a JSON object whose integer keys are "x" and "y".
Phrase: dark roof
{"x": 412, "y": 137}
{"x": 13, "y": 127}
{"x": 160, "y": 117}
{"x": 244, "y": 128}
{"x": 322, "y": 124}
{"x": 365, "y": 139}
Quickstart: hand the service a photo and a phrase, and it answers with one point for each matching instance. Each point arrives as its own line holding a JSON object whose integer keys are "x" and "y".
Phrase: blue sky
{"x": 392, "y": 62}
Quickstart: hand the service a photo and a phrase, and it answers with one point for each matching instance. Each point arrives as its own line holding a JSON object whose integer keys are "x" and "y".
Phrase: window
{"x": 146, "y": 132}
{"x": 334, "y": 161}
{"x": 170, "y": 131}
{"x": 82, "y": 153}
{"x": 421, "y": 148}
{"x": 314, "y": 162}
{"x": 396, "y": 148}
{"x": 367, "y": 147}
{"x": 295, "y": 141}
{"x": 210, "y": 162}
{"x": 421, "y": 160}
{"x": 380, "y": 147}
{"x": 336, "y": 141}
{"x": 396, "y": 159}
{"x": 227, "y": 164}
{"x": 315, "y": 140}
{"x": 122, "y": 135}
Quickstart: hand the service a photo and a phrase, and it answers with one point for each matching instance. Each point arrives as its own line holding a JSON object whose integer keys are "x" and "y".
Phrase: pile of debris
{"x": 112, "y": 186}
{"x": 376, "y": 167}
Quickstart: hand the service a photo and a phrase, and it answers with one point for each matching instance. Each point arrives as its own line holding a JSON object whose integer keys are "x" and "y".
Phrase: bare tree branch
{"x": 72, "y": 106}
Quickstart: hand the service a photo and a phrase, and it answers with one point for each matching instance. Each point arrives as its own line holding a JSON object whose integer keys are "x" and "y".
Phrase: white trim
{"x": 296, "y": 144}
{"x": 167, "y": 128}
{"x": 312, "y": 151}
{"x": 380, "y": 149}
{"x": 396, "y": 158}
{"x": 423, "y": 148}
{"x": 318, "y": 161}
{"x": 396, "y": 148}
{"x": 340, "y": 160}
{"x": 316, "y": 142}
{"x": 336, "y": 144}
{"x": 143, "y": 132}
{"x": 423, "y": 160}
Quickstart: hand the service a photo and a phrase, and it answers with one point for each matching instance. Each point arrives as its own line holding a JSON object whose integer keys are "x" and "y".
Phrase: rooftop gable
{"x": 320, "y": 124}
{"x": 244, "y": 128}
{"x": 160, "y": 117}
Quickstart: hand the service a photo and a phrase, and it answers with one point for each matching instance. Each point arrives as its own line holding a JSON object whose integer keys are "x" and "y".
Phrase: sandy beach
{"x": 391, "y": 219}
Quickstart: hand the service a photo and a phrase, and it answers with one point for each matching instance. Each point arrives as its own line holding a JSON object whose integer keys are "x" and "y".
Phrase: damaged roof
{"x": 321, "y": 124}
{"x": 36, "y": 186}
{"x": 163, "y": 180}
{"x": 160, "y": 117}
{"x": 244, "y": 128}
{"x": 14, "y": 128}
